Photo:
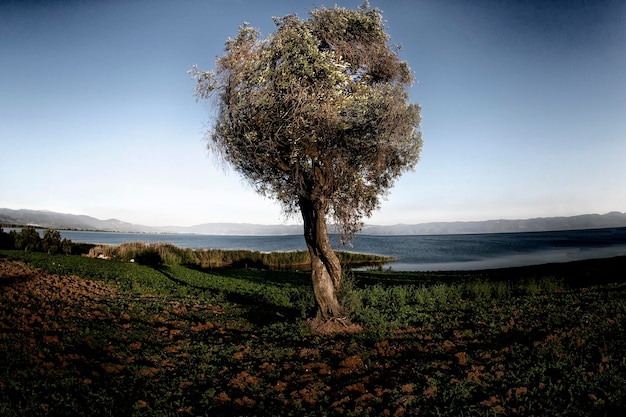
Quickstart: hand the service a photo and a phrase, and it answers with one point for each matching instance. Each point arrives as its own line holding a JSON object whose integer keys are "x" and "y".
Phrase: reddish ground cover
{"x": 72, "y": 346}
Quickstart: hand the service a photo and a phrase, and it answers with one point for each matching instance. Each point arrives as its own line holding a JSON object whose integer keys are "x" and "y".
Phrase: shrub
{"x": 349, "y": 295}
{"x": 103, "y": 251}
{"x": 7, "y": 240}
{"x": 150, "y": 257}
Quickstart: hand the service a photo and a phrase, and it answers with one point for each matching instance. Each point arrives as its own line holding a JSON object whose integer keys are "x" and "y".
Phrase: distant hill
{"x": 62, "y": 221}
{"x": 49, "y": 219}
{"x": 585, "y": 221}
{"x": 240, "y": 229}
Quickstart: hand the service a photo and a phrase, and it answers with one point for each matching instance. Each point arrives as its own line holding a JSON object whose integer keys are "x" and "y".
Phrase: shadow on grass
{"x": 294, "y": 278}
{"x": 575, "y": 274}
{"x": 258, "y": 310}
{"x": 166, "y": 271}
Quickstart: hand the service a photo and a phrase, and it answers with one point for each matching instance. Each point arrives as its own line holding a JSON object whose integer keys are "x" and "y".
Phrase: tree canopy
{"x": 319, "y": 108}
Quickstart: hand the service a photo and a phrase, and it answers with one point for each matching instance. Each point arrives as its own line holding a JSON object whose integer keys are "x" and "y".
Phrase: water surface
{"x": 415, "y": 252}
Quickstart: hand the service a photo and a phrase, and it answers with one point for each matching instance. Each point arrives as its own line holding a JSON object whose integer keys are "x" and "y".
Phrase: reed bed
{"x": 168, "y": 254}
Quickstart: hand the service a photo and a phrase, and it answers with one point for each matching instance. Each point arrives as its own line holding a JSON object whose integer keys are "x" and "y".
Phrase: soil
{"x": 334, "y": 325}
{"x": 18, "y": 277}
{"x": 69, "y": 333}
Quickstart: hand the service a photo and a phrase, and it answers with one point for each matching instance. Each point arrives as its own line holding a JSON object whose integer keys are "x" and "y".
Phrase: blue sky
{"x": 523, "y": 103}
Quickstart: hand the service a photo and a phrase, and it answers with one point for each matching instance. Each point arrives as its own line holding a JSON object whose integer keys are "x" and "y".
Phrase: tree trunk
{"x": 325, "y": 265}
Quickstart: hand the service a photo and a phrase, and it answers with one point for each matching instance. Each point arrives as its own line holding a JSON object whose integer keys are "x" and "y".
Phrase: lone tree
{"x": 317, "y": 117}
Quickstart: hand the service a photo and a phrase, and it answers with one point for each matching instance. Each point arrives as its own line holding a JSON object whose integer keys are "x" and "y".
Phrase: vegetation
{"x": 29, "y": 239}
{"x": 164, "y": 253}
{"x": 317, "y": 117}
{"x": 7, "y": 240}
{"x": 167, "y": 340}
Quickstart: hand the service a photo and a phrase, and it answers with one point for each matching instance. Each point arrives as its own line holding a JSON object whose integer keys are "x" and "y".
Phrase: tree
{"x": 51, "y": 242}
{"x": 66, "y": 246}
{"x": 317, "y": 117}
{"x": 28, "y": 239}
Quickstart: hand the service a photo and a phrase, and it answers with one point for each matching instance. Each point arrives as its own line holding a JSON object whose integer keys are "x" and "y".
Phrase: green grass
{"x": 130, "y": 339}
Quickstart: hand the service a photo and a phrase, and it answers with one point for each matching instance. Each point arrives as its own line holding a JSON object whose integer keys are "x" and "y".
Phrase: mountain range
{"x": 61, "y": 221}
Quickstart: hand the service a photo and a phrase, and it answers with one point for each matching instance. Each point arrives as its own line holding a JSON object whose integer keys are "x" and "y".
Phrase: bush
{"x": 149, "y": 257}
{"x": 7, "y": 240}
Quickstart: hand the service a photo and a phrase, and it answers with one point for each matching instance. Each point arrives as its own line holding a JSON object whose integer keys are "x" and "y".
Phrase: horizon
{"x": 366, "y": 224}
{"x": 522, "y": 111}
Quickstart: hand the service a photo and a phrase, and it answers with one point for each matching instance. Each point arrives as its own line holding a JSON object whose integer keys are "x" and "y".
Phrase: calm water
{"x": 416, "y": 253}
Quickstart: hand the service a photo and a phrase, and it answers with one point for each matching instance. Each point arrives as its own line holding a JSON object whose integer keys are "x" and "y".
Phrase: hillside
{"x": 49, "y": 219}
{"x": 586, "y": 221}
{"x": 62, "y": 221}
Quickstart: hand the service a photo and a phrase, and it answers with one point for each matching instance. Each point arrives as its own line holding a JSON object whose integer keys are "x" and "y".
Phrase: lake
{"x": 415, "y": 252}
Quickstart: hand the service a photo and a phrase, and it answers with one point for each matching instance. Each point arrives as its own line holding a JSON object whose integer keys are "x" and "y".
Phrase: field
{"x": 89, "y": 337}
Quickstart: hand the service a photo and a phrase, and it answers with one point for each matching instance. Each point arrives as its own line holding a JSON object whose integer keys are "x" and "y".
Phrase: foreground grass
{"x": 127, "y": 339}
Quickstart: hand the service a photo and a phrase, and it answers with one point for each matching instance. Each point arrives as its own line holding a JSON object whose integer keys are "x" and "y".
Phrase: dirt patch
{"x": 12, "y": 272}
{"x": 21, "y": 280}
{"x": 334, "y": 325}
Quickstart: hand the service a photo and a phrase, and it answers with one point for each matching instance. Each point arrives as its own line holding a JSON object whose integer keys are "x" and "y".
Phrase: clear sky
{"x": 523, "y": 103}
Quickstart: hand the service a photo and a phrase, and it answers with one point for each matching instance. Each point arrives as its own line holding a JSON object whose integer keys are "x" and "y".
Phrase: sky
{"x": 523, "y": 106}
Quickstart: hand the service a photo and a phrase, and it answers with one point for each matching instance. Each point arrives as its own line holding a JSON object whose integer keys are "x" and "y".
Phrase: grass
{"x": 88, "y": 337}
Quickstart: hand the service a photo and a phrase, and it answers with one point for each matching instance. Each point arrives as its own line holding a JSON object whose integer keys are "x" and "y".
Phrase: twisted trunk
{"x": 325, "y": 265}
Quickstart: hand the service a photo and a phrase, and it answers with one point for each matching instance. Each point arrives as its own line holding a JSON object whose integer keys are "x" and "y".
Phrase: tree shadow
{"x": 297, "y": 278}
{"x": 256, "y": 311}
{"x": 166, "y": 271}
